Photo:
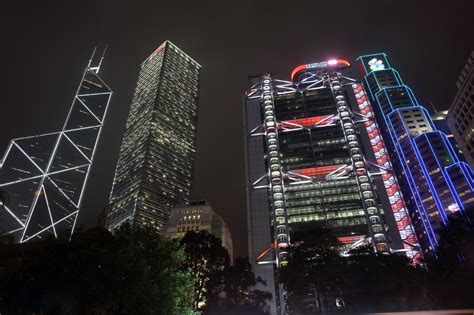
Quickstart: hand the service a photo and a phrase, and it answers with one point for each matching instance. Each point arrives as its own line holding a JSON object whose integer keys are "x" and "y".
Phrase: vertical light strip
{"x": 397, "y": 203}
{"x": 364, "y": 182}
{"x": 277, "y": 190}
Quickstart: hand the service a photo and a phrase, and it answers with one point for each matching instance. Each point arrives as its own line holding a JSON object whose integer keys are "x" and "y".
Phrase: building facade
{"x": 315, "y": 157}
{"x": 461, "y": 112}
{"x": 434, "y": 182}
{"x": 155, "y": 167}
{"x": 44, "y": 176}
{"x": 440, "y": 120}
{"x": 199, "y": 216}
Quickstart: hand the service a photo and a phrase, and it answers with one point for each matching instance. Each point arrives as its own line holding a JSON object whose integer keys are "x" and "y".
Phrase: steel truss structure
{"x": 45, "y": 175}
{"x": 360, "y": 168}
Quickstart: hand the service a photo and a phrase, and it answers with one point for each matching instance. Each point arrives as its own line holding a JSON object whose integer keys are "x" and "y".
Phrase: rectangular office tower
{"x": 461, "y": 112}
{"x": 315, "y": 158}
{"x": 155, "y": 167}
{"x": 435, "y": 184}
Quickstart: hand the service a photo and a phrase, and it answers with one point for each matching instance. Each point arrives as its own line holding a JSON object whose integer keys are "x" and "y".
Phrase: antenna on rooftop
{"x": 96, "y": 69}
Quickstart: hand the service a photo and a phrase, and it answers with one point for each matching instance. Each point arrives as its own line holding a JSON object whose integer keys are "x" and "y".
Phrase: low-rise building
{"x": 197, "y": 216}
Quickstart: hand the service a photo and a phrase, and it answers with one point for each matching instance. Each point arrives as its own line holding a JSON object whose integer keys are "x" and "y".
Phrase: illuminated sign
{"x": 376, "y": 64}
{"x": 339, "y": 63}
{"x": 314, "y": 65}
{"x": 373, "y": 62}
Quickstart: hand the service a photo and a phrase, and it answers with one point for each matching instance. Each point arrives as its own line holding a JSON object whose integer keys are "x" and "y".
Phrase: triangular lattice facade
{"x": 44, "y": 176}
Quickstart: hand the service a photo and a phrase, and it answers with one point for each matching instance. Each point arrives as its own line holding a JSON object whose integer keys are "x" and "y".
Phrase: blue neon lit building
{"x": 434, "y": 182}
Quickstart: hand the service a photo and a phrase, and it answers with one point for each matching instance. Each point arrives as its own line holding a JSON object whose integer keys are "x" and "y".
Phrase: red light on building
{"x": 318, "y": 171}
{"x": 350, "y": 239}
{"x": 311, "y": 121}
{"x": 332, "y": 63}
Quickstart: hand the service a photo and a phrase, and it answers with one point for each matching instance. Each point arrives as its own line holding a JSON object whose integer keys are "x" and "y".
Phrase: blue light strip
{"x": 393, "y": 114}
{"x": 397, "y": 76}
{"x": 407, "y": 170}
{"x": 440, "y": 166}
{"x": 467, "y": 171}
{"x": 411, "y": 181}
{"x": 425, "y": 171}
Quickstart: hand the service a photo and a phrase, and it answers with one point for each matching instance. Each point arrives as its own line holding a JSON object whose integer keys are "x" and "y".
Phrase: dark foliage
{"x": 207, "y": 259}
{"x": 134, "y": 271}
{"x": 451, "y": 273}
{"x": 319, "y": 279}
{"x": 222, "y": 288}
{"x": 237, "y": 293}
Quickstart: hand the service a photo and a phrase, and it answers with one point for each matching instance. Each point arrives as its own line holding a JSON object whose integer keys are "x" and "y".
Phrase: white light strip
{"x": 92, "y": 94}
{"x": 80, "y": 151}
{"x": 49, "y": 210}
{"x": 62, "y": 192}
{"x": 36, "y": 234}
{"x": 67, "y": 169}
{"x": 21, "y": 180}
{"x": 89, "y": 110}
{"x": 24, "y": 153}
{"x": 14, "y": 216}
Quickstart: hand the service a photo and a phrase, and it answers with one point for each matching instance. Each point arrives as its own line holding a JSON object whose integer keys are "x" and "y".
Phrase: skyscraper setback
{"x": 435, "y": 183}
{"x": 155, "y": 167}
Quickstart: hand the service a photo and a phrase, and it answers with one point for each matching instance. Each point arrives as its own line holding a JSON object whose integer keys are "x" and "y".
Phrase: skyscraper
{"x": 461, "y": 112}
{"x": 45, "y": 176}
{"x": 155, "y": 167}
{"x": 315, "y": 158}
{"x": 434, "y": 182}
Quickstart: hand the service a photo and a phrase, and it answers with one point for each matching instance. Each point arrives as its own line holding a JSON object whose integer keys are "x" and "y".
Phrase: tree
{"x": 237, "y": 293}
{"x": 134, "y": 271}
{"x": 312, "y": 276}
{"x": 453, "y": 265}
{"x": 222, "y": 288}
{"x": 319, "y": 279}
{"x": 383, "y": 282}
{"x": 207, "y": 260}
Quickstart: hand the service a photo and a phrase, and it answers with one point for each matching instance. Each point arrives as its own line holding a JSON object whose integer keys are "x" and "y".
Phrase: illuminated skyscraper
{"x": 155, "y": 167}
{"x": 44, "y": 176}
{"x": 315, "y": 158}
{"x": 434, "y": 182}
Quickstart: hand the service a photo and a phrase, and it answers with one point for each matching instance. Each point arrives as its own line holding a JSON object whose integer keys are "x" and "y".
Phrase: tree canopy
{"x": 318, "y": 278}
{"x": 222, "y": 288}
{"x": 134, "y": 271}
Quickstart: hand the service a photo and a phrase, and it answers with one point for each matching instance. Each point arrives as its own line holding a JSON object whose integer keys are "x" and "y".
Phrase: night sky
{"x": 46, "y": 45}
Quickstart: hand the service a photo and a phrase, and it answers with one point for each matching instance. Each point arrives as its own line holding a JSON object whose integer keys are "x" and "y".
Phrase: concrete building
{"x": 461, "y": 112}
{"x": 198, "y": 216}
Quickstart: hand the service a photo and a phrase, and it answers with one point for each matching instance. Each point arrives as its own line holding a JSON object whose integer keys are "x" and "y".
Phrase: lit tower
{"x": 155, "y": 167}
{"x": 45, "y": 176}
{"x": 434, "y": 182}
{"x": 315, "y": 158}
